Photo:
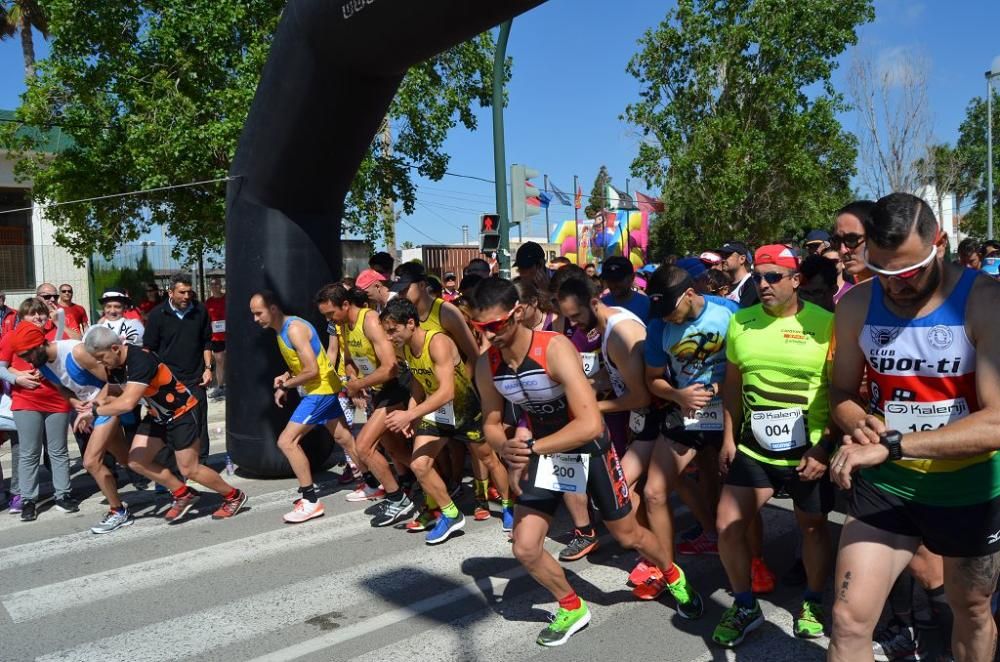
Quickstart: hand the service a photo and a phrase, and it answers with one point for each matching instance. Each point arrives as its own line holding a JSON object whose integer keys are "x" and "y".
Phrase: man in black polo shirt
{"x": 179, "y": 331}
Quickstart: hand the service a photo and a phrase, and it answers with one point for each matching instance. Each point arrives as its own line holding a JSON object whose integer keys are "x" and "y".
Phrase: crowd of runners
{"x": 858, "y": 371}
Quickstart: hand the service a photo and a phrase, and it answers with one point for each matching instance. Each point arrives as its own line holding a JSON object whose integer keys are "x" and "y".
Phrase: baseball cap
{"x": 735, "y": 247}
{"x": 449, "y": 276}
{"x": 367, "y": 278}
{"x": 529, "y": 254}
{"x": 777, "y": 254}
{"x": 694, "y": 266}
{"x": 406, "y": 275}
{"x": 710, "y": 258}
{"x": 113, "y": 295}
{"x": 477, "y": 267}
{"x": 26, "y": 337}
{"x": 617, "y": 268}
{"x": 381, "y": 259}
{"x": 662, "y": 297}
{"x": 817, "y": 235}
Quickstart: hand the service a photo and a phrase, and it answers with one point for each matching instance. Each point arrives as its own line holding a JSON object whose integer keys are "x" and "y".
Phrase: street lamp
{"x": 994, "y": 72}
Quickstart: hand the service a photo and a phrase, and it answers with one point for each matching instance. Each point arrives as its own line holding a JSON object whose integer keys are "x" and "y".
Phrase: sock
{"x": 395, "y": 496}
{"x": 481, "y": 489}
{"x": 506, "y": 503}
{"x": 672, "y": 574}
{"x": 430, "y": 502}
{"x": 450, "y": 511}
{"x": 587, "y": 530}
{"x": 812, "y": 596}
{"x": 901, "y": 598}
{"x": 370, "y": 480}
{"x": 744, "y": 599}
{"x": 180, "y": 491}
{"x": 232, "y": 495}
{"x": 571, "y": 602}
{"x": 309, "y": 493}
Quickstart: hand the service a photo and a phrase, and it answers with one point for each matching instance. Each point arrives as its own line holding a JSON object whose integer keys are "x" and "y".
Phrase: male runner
{"x": 171, "y": 419}
{"x": 775, "y": 408}
{"x": 563, "y": 448}
{"x": 925, "y": 443}
{"x": 80, "y": 379}
{"x": 372, "y": 354}
{"x": 313, "y": 376}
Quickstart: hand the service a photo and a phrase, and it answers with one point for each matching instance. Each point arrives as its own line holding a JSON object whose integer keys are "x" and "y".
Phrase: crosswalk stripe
{"x": 42, "y": 600}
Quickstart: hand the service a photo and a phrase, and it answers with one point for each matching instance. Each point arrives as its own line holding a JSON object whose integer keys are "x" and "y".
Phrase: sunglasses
{"x": 851, "y": 239}
{"x": 48, "y": 297}
{"x": 495, "y": 326}
{"x": 66, "y": 291}
{"x": 907, "y": 273}
{"x": 771, "y": 277}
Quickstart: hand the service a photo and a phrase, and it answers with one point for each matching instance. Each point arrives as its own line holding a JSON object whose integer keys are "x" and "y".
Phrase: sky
{"x": 569, "y": 89}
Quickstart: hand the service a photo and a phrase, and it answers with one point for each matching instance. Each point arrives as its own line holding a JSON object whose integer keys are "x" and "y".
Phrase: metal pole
{"x": 627, "y": 248}
{"x": 576, "y": 227}
{"x": 548, "y": 231}
{"x": 499, "y": 157}
{"x": 989, "y": 154}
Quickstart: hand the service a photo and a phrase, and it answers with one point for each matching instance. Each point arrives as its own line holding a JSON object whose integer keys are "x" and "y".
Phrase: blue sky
{"x": 569, "y": 88}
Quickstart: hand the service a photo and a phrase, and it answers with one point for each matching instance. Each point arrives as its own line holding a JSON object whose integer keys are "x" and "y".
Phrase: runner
{"x": 215, "y": 304}
{"x": 849, "y": 239}
{"x": 370, "y": 351}
{"x": 171, "y": 420}
{"x": 777, "y": 355}
{"x": 563, "y": 447}
{"x": 923, "y": 333}
{"x": 311, "y": 374}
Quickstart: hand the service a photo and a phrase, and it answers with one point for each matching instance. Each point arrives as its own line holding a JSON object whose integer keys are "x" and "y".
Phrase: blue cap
{"x": 692, "y": 265}
{"x": 991, "y": 266}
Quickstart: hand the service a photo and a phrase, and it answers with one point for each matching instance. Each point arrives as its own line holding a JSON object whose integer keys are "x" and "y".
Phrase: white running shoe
{"x": 365, "y": 493}
{"x": 304, "y": 511}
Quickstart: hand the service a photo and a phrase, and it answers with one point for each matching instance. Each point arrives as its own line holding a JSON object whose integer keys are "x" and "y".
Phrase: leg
{"x": 142, "y": 459}
{"x": 93, "y": 459}
{"x": 495, "y": 469}
{"x": 630, "y": 535}
{"x": 664, "y": 471}
{"x": 425, "y": 450}
{"x": 366, "y": 445}
{"x": 15, "y": 461}
{"x": 636, "y": 462}
{"x": 220, "y": 368}
{"x": 969, "y": 584}
{"x": 56, "y": 430}
{"x": 579, "y": 510}
{"x": 289, "y": 442}
{"x": 530, "y": 529}
{"x": 30, "y": 430}
{"x": 709, "y": 487}
{"x": 817, "y": 550}
{"x": 189, "y": 462}
{"x": 341, "y": 433}
{"x": 737, "y": 507}
{"x": 868, "y": 563}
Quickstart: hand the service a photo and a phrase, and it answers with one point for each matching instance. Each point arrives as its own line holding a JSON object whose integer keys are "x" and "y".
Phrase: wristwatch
{"x": 530, "y": 443}
{"x": 893, "y": 440}
{"x": 93, "y": 409}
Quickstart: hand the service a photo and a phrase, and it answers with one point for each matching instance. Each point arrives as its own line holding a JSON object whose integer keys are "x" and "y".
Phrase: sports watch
{"x": 892, "y": 440}
{"x": 530, "y": 443}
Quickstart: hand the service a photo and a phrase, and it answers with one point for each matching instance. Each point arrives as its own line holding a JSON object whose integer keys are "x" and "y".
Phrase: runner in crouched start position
{"x": 561, "y": 447}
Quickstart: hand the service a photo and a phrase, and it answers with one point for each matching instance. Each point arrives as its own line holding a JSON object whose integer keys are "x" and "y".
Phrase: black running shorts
{"x": 606, "y": 486}
{"x": 814, "y": 497}
{"x": 178, "y": 434}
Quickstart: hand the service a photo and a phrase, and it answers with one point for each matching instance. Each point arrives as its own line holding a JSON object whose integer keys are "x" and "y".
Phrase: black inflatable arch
{"x": 332, "y": 72}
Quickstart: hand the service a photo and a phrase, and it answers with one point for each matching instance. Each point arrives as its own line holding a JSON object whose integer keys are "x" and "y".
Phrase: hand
{"x": 852, "y": 457}
{"x": 279, "y": 398}
{"x": 26, "y": 380}
{"x": 279, "y": 381}
{"x": 354, "y": 388}
{"x": 867, "y": 431}
{"x": 692, "y": 398}
{"x": 83, "y": 408}
{"x": 360, "y": 403}
{"x": 399, "y": 421}
{"x": 516, "y": 453}
{"x": 726, "y": 455}
{"x": 206, "y": 377}
{"x": 813, "y": 464}
{"x": 83, "y": 424}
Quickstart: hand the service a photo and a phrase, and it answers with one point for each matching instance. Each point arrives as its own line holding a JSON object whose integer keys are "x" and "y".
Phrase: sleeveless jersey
{"x": 422, "y": 368}
{"x": 614, "y": 375}
{"x": 433, "y": 321}
{"x": 922, "y": 375}
{"x": 66, "y": 371}
{"x": 362, "y": 351}
{"x": 326, "y": 382}
{"x": 784, "y": 366}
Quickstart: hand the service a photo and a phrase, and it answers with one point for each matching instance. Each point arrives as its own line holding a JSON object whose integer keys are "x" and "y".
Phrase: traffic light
{"x": 523, "y": 194}
{"x": 489, "y": 233}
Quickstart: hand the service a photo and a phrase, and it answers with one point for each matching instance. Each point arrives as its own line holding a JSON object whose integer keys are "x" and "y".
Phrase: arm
{"x": 299, "y": 336}
{"x": 206, "y": 338}
{"x": 124, "y": 403}
{"x": 846, "y": 408}
{"x": 493, "y": 405}
{"x": 454, "y": 324}
{"x": 626, "y": 350}
{"x": 586, "y": 425}
{"x": 732, "y": 414}
{"x": 386, "y": 370}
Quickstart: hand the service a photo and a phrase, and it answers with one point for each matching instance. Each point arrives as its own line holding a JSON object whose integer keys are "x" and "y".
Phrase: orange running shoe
{"x": 761, "y": 578}
{"x": 482, "y": 511}
{"x": 232, "y": 506}
{"x": 651, "y": 588}
{"x": 640, "y": 573}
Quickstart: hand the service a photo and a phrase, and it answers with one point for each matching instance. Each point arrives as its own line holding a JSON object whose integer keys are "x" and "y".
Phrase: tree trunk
{"x": 27, "y": 45}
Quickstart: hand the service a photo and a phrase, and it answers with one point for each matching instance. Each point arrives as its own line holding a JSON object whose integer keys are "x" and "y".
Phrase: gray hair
{"x": 100, "y": 339}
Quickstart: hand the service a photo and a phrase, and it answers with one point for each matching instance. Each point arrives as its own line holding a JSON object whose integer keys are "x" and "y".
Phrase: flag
{"x": 578, "y": 199}
{"x": 612, "y": 197}
{"x": 544, "y": 199}
{"x": 648, "y": 204}
{"x": 622, "y": 200}
{"x": 562, "y": 197}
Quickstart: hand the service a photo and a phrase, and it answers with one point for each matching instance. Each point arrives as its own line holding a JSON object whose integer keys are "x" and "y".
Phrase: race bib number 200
{"x": 563, "y": 472}
{"x": 779, "y": 430}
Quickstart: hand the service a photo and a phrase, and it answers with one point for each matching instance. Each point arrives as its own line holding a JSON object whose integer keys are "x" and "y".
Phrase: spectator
{"x": 151, "y": 301}
{"x": 715, "y": 282}
{"x": 968, "y": 254}
{"x": 450, "y": 292}
{"x": 618, "y": 275}
{"x": 113, "y": 305}
{"x": 8, "y": 316}
{"x": 180, "y": 333}
{"x": 737, "y": 262}
{"x": 591, "y": 270}
{"x": 530, "y": 263}
{"x": 817, "y": 241}
{"x": 382, "y": 262}
{"x": 64, "y": 320}
{"x": 477, "y": 266}
{"x": 76, "y": 315}
{"x": 215, "y": 304}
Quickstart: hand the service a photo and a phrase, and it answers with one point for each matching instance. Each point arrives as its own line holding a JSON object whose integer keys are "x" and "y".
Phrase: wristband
{"x": 93, "y": 409}
{"x": 530, "y": 443}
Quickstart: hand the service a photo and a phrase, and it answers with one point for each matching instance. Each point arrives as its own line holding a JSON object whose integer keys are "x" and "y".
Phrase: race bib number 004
{"x": 708, "y": 419}
{"x": 779, "y": 430}
{"x": 563, "y": 472}
{"x": 924, "y": 416}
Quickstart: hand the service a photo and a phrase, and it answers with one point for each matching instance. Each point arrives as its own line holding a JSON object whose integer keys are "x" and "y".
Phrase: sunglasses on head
{"x": 906, "y": 273}
{"x": 850, "y": 239}
{"x": 497, "y": 325}
{"x": 49, "y": 297}
{"x": 771, "y": 277}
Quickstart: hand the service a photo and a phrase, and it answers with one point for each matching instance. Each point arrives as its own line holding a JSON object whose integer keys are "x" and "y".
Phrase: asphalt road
{"x": 253, "y": 588}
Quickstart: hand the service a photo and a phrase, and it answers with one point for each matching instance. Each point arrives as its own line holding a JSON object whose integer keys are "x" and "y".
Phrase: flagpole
{"x": 627, "y": 249}
{"x": 576, "y": 222}
{"x": 548, "y": 231}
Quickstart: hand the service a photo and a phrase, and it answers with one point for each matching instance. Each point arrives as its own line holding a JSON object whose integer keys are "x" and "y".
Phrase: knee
{"x": 287, "y": 442}
{"x": 422, "y": 466}
{"x": 849, "y": 625}
{"x": 136, "y": 462}
{"x": 655, "y": 495}
{"x": 527, "y": 554}
{"x": 92, "y": 463}
{"x": 730, "y": 526}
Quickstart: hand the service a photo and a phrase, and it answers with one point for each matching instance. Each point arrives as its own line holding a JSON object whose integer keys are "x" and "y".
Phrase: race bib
{"x": 365, "y": 365}
{"x": 923, "y": 416}
{"x": 219, "y": 326}
{"x": 708, "y": 419}
{"x": 443, "y": 416}
{"x": 563, "y": 472}
{"x": 636, "y": 422}
{"x": 779, "y": 430}
{"x": 591, "y": 363}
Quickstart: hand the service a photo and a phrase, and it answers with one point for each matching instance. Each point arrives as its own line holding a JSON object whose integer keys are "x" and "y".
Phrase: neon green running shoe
{"x": 737, "y": 622}
{"x": 564, "y": 625}
{"x": 809, "y": 622}
{"x": 689, "y": 604}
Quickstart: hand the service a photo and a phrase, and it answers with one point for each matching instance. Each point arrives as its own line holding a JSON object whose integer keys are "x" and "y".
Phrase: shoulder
{"x": 984, "y": 301}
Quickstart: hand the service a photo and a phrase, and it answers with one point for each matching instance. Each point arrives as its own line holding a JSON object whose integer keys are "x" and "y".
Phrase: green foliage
{"x": 598, "y": 194}
{"x": 739, "y": 118}
{"x": 972, "y": 150}
{"x": 128, "y": 279}
{"x": 156, "y": 93}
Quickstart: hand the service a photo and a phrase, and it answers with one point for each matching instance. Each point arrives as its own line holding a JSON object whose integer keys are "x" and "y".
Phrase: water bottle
{"x": 230, "y": 467}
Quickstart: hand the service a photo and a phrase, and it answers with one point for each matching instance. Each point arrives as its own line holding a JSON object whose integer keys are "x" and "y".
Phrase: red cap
{"x": 26, "y": 337}
{"x": 710, "y": 258}
{"x": 367, "y": 278}
{"x": 777, "y": 254}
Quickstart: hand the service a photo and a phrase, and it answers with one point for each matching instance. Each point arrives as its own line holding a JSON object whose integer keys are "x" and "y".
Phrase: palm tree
{"x": 20, "y": 16}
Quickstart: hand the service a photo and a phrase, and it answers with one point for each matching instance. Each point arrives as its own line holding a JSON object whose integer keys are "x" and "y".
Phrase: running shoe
{"x": 115, "y": 519}
{"x": 304, "y": 511}
{"x": 424, "y": 521}
{"x": 654, "y": 585}
{"x": 67, "y": 505}
{"x": 393, "y": 511}
{"x": 578, "y": 547}
{"x": 230, "y": 507}
{"x": 702, "y": 544}
{"x": 444, "y": 528}
{"x": 895, "y": 641}
{"x": 507, "y": 517}
{"x": 482, "y": 511}
{"x": 689, "y": 604}
{"x": 365, "y": 493}
{"x": 565, "y": 623}
{"x": 28, "y": 513}
{"x": 761, "y": 578}
{"x": 809, "y": 622}
{"x": 348, "y": 476}
{"x": 14, "y": 504}
{"x": 181, "y": 505}
{"x": 493, "y": 494}
{"x": 737, "y": 622}
{"x": 640, "y": 573}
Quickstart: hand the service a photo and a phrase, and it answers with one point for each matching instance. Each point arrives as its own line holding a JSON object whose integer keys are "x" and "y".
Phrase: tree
{"x": 407, "y": 245}
{"x": 155, "y": 94}
{"x": 738, "y": 117}
{"x": 599, "y": 194}
{"x": 890, "y": 98}
{"x": 972, "y": 148}
{"x": 944, "y": 168}
{"x": 18, "y": 17}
